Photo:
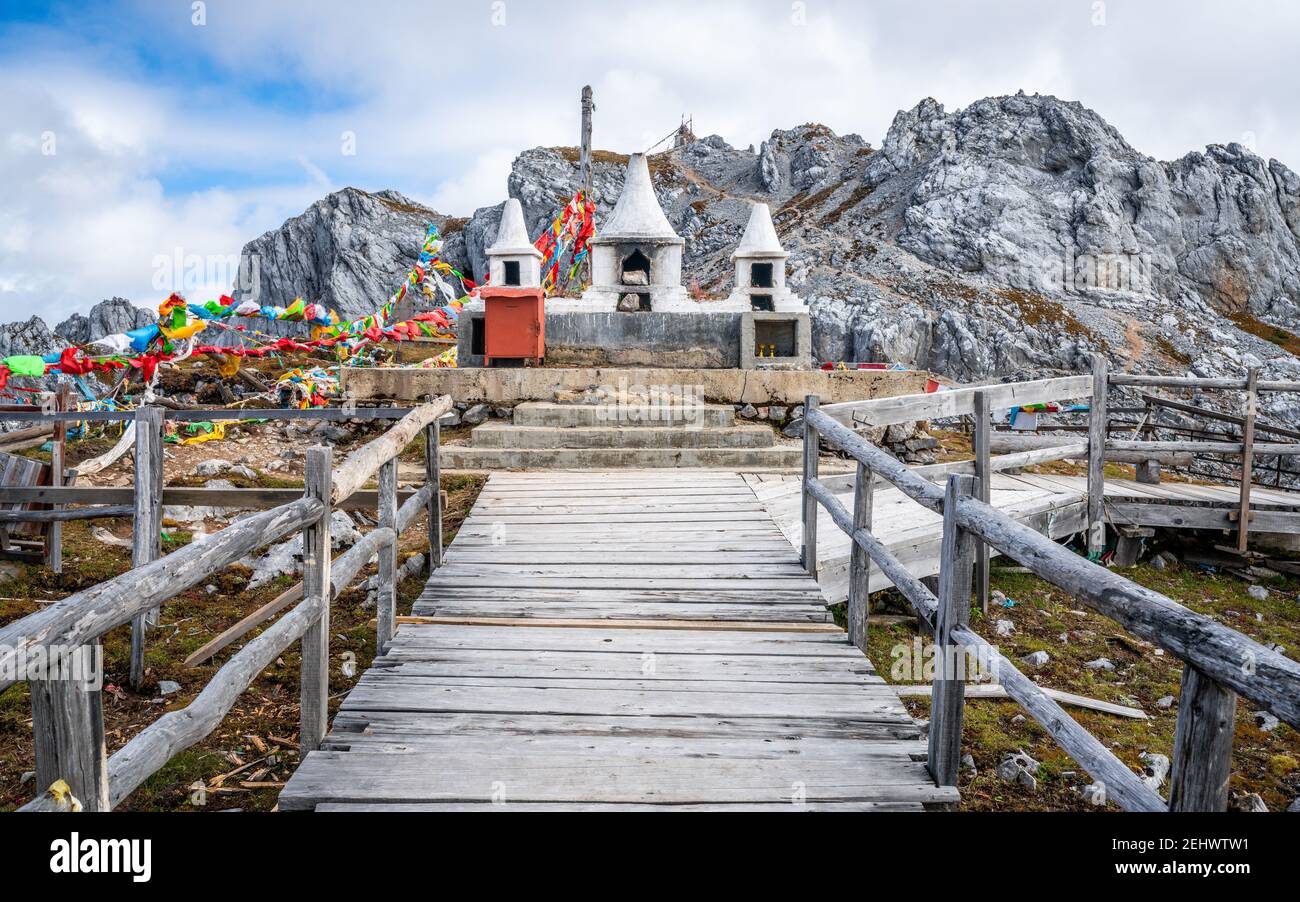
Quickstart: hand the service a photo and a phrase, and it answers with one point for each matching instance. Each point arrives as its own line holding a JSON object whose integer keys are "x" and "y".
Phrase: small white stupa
{"x": 636, "y": 257}
{"x": 760, "y": 269}
{"x": 513, "y": 260}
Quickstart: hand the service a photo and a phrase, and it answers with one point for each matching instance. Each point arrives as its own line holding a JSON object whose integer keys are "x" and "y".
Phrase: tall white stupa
{"x": 636, "y": 257}
{"x": 760, "y": 269}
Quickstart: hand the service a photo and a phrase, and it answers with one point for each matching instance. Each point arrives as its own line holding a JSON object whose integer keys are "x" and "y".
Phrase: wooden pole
{"x": 588, "y": 107}
{"x": 811, "y": 445}
{"x": 146, "y": 545}
{"x": 433, "y": 477}
{"x": 980, "y": 438}
{"x": 386, "y": 598}
{"x": 947, "y": 706}
{"x": 1247, "y": 456}
{"x": 314, "y": 716}
{"x": 1097, "y": 458}
{"x": 859, "y": 561}
{"x": 1202, "y": 744}
{"x": 68, "y": 727}
{"x": 58, "y": 454}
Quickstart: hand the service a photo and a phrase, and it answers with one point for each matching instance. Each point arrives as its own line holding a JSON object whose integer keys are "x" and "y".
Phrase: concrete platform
{"x": 507, "y": 435}
{"x": 466, "y": 457}
{"x": 544, "y": 413}
{"x": 721, "y": 386}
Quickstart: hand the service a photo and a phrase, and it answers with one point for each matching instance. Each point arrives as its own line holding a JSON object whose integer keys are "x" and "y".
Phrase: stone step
{"x": 465, "y": 457}
{"x": 506, "y": 435}
{"x": 548, "y": 413}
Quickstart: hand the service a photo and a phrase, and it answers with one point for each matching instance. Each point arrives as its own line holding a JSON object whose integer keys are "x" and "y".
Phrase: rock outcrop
{"x": 348, "y": 251}
{"x": 108, "y": 317}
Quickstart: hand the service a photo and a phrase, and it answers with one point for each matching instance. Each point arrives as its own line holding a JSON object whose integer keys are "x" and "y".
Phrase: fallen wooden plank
{"x": 1068, "y": 698}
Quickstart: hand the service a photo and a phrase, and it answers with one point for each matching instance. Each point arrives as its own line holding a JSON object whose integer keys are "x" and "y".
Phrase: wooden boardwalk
{"x": 630, "y": 640}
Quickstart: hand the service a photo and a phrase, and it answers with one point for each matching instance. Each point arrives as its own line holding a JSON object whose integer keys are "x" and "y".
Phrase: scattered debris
{"x": 1266, "y": 721}
{"x": 1249, "y": 802}
{"x": 1165, "y": 701}
{"x": 1004, "y": 628}
{"x": 168, "y": 687}
{"x": 1036, "y": 659}
{"x": 213, "y": 466}
{"x": 101, "y": 534}
{"x": 1019, "y": 768}
{"x": 1257, "y": 592}
{"x": 1155, "y": 768}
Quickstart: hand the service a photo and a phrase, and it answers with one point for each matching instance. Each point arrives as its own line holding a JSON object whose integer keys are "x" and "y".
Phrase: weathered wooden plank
{"x": 386, "y": 595}
{"x": 316, "y": 549}
{"x": 1097, "y": 425}
{"x": 362, "y": 463}
{"x": 958, "y": 402}
{"x": 146, "y": 536}
{"x": 68, "y": 729}
{"x": 947, "y": 707}
{"x": 811, "y": 450}
{"x": 1202, "y": 761}
{"x": 859, "y": 590}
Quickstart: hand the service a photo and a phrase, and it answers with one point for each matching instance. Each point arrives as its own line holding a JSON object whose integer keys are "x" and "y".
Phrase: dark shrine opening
{"x": 636, "y": 269}
{"x": 511, "y": 273}
{"x": 760, "y": 275}
{"x": 774, "y": 338}
{"x": 761, "y": 302}
{"x": 478, "y": 335}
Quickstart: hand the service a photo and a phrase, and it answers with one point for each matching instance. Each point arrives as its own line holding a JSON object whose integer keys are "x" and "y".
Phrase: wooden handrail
{"x": 84, "y": 617}
{"x": 363, "y": 463}
{"x": 1123, "y": 785}
{"x": 1216, "y": 650}
{"x": 88, "y": 614}
{"x": 957, "y": 401}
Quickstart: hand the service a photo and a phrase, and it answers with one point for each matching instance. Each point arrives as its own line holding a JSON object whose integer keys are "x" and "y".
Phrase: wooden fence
{"x": 67, "y": 715}
{"x": 1219, "y": 663}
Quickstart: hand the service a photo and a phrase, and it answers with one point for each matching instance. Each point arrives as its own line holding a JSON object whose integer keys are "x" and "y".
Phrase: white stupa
{"x": 513, "y": 260}
{"x": 760, "y": 269}
{"x": 636, "y": 257}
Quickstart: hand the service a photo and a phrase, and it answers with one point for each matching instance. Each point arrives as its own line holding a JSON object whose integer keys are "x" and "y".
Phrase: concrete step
{"x": 465, "y": 457}
{"x": 506, "y": 435}
{"x": 547, "y": 413}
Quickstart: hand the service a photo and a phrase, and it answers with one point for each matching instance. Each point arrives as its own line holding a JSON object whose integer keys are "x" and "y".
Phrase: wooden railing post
{"x": 956, "y": 560}
{"x": 146, "y": 544}
{"x": 811, "y": 446}
{"x": 859, "y": 561}
{"x": 386, "y": 595}
{"x": 314, "y": 716}
{"x": 433, "y": 477}
{"x": 58, "y": 477}
{"x": 1097, "y": 457}
{"x": 68, "y": 726}
{"x": 980, "y": 440}
{"x": 1202, "y": 762}
{"x": 1247, "y": 456}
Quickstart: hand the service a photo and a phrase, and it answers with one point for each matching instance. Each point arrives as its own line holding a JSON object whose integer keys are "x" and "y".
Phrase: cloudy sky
{"x": 144, "y": 141}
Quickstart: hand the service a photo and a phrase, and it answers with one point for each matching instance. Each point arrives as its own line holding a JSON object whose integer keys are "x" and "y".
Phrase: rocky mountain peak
{"x": 108, "y": 317}
{"x": 348, "y": 251}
